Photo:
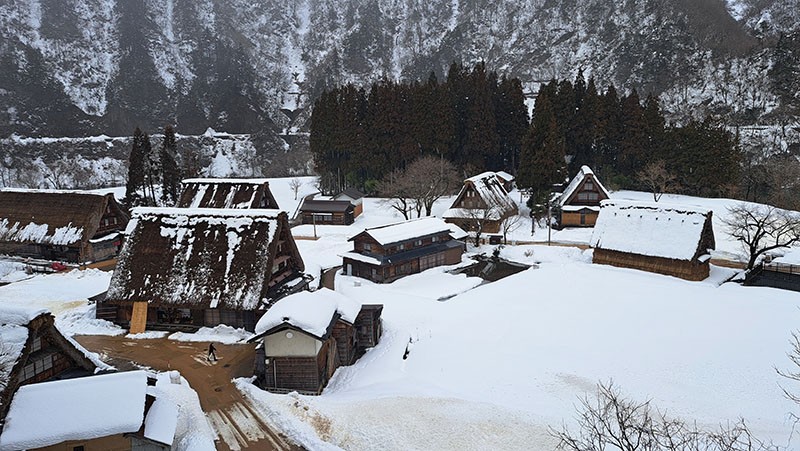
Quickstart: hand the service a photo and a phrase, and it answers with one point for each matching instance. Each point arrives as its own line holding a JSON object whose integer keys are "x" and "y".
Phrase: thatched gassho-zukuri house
{"x": 305, "y": 337}
{"x": 33, "y": 351}
{"x": 579, "y": 204}
{"x": 483, "y": 199}
{"x": 662, "y": 238}
{"x": 185, "y": 268}
{"x": 69, "y": 226}
{"x": 227, "y": 193}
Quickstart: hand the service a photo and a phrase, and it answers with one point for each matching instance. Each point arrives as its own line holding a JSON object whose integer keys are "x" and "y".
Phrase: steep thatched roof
{"x": 227, "y": 193}
{"x": 569, "y": 194}
{"x": 489, "y": 188}
{"x": 201, "y": 258}
{"x": 51, "y": 217}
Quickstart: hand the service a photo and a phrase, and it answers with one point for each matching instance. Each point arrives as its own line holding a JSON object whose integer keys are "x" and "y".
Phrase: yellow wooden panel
{"x": 139, "y": 317}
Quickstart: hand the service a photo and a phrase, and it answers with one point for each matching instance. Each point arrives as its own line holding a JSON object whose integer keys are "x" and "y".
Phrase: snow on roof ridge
{"x": 83, "y": 408}
{"x": 51, "y": 191}
{"x": 207, "y": 212}
{"x": 405, "y": 230}
{"x": 665, "y": 206}
{"x": 481, "y": 176}
{"x": 19, "y": 315}
{"x": 310, "y": 311}
{"x": 215, "y": 180}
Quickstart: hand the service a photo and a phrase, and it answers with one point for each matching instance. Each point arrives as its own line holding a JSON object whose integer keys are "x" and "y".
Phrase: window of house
{"x": 401, "y": 246}
{"x": 78, "y": 448}
{"x": 37, "y": 344}
{"x": 588, "y": 186}
{"x": 367, "y": 246}
{"x": 434, "y": 239}
{"x": 418, "y": 243}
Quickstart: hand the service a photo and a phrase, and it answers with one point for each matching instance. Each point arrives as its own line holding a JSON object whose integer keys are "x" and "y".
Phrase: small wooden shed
{"x": 227, "y": 193}
{"x": 68, "y": 226}
{"x": 353, "y": 196}
{"x": 328, "y": 212}
{"x": 305, "y": 337}
{"x": 662, "y": 238}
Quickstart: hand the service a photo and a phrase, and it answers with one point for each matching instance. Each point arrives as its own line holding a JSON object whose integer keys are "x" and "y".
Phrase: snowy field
{"x": 497, "y": 364}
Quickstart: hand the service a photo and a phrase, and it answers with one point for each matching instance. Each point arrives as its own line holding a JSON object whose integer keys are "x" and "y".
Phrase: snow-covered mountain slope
{"x": 86, "y": 67}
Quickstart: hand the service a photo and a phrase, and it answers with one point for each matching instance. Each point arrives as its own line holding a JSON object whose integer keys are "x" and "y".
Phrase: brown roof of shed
{"x": 325, "y": 206}
{"x": 227, "y": 193}
{"x": 201, "y": 258}
{"x": 51, "y": 217}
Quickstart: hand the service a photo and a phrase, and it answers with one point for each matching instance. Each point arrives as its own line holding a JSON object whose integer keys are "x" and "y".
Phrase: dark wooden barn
{"x": 330, "y": 212}
{"x": 661, "y": 238}
{"x": 383, "y": 254}
{"x": 68, "y": 226}
{"x": 353, "y": 196}
{"x": 227, "y": 193}
{"x": 186, "y": 268}
{"x": 579, "y": 204}
{"x": 35, "y": 351}
{"x": 305, "y": 337}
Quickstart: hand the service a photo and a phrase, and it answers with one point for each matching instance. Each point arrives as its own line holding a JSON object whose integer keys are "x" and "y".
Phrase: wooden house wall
{"x": 573, "y": 219}
{"x": 303, "y": 374}
{"x": 358, "y": 209}
{"x": 368, "y": 326}
{"x": 338, "y": 218}
{"x": 117, "y": 442}
{"x": 690, "y": 270}
{"x": 346, "y": 342}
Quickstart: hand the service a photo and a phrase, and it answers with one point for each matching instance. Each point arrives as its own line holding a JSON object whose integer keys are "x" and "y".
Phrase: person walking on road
{"x": 212, "y": 353}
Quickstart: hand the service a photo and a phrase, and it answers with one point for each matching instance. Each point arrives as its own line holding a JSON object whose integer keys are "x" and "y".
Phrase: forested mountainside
{"x": 89, "y": 67}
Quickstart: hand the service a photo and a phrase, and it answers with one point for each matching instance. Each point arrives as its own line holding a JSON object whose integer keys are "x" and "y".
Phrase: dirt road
{"x": 238, "y": 427}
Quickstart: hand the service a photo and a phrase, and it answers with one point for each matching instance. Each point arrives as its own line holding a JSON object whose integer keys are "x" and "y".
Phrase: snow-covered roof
{"x": 85, "y": 408}
{"x": 309, "y": 311}
{"x": 488, "y": 187}
{"x": 19, "y": 315}
{"x": 161, "y": 421}
{"x": 51, "y": 217}
{"x": 226, "y": 193}
{"x": 791, "y": 257}
{"x": 653, "y": 229}
{"x": 13, "y": 336}
{"x": 577, "y": 181}
{"x": 505, "y": 176}
{"x": 207, "y": 257}
{"x": 407, "y": 230}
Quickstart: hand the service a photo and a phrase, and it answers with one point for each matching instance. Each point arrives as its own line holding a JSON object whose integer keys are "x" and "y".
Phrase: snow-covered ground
{"x": 496, "y": 364}
{"x": 493, "y": 367}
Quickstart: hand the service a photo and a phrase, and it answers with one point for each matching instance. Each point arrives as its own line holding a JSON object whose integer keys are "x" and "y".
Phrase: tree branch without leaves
{"x": 762, "y": 228}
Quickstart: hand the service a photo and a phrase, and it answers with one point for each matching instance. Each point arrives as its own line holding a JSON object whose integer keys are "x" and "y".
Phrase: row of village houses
{"x": 226, "y": 255}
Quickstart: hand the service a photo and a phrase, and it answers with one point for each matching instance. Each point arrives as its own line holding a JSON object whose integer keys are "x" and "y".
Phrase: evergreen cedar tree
{"x": 147, "y": 169}
{"x": 479, "y": 121}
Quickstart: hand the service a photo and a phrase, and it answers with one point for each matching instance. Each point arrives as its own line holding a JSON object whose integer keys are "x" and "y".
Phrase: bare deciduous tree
{"x": 420, "y": 185}
{"x": 762, "y": 228}
{"x": 477, "y": 219}
{"x": 611, "y": 422}
{"x": 657, "y": 179}
{"x": 509, "y": 224}
{"x": 295, "y": 185}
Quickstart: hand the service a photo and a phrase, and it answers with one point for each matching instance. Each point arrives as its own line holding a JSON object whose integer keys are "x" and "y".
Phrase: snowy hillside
{"x": 96, "y": 66}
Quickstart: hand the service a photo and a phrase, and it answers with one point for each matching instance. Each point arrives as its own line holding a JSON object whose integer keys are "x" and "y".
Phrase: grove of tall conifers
{"x": 479, "y": 122}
